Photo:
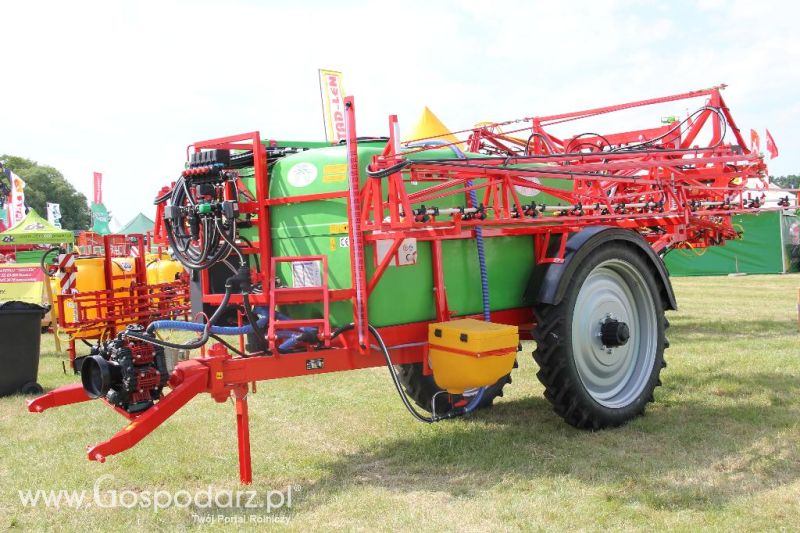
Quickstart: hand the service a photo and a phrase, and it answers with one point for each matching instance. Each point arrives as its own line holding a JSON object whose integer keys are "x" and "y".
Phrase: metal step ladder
{"x": 299, "y": 295}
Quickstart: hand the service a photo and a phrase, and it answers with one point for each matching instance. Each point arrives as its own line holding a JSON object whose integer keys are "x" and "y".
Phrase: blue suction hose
{"x": 292, "y": 336}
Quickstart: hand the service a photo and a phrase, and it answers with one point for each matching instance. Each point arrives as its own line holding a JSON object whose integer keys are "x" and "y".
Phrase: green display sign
{"x": 100, "y": 219}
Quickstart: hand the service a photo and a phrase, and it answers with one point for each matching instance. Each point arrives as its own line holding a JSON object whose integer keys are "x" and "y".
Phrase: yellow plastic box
{"x": 468, "y": 353}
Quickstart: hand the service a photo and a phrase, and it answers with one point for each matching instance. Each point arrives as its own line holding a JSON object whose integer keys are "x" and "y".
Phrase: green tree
{"x": 792, "y": 181}
{"x": 46, "y": 184}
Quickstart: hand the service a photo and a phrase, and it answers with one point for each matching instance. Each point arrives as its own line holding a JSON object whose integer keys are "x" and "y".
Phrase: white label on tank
{"x": 528, "y": 191}
{"x": 344, "y": 242}
{"x": 306, "y": 274}
{"x": 406, "y": 253}
{"x": 302, "y": 174}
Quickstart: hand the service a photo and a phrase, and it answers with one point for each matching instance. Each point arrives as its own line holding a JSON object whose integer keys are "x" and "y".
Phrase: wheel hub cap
{"x": 614, "y": 333}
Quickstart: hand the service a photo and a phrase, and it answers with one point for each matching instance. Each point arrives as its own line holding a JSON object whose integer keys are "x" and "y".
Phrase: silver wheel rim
{"x": 614, "y": 376}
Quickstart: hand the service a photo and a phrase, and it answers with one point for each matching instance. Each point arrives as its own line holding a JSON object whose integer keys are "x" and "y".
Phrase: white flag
{"x": 16, "y": 209}
{"x": 54, "y": 214}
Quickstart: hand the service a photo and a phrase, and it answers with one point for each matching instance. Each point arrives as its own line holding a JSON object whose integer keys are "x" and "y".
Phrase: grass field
{"x": 720, "y": 448}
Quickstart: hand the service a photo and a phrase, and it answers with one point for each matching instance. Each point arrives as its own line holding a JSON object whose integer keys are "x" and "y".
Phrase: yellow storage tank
{"x": 468, "y": 353}
{"x": 163, "y": 270}
{"x": 169, "y": 270}
{"x": 90, "y": 277}
{"x": 125, "y": 267}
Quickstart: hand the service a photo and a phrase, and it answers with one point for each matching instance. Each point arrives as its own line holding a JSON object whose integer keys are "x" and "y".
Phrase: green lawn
{"x": 720, "y": 448}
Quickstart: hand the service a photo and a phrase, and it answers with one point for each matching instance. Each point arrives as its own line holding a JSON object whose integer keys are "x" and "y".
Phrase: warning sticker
{"x": 334, "y": 173}
{"x": 338, "y": 228}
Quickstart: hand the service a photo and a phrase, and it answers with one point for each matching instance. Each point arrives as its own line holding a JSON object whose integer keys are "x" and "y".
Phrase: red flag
{"x": 98, "y": 188}
{"x": 772, "y": 148}
{"x": 755, "y": 142}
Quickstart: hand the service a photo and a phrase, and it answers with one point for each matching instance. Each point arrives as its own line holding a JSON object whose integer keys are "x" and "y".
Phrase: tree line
{"x": 44, "y": 184}
{"x": 792, "y": 181}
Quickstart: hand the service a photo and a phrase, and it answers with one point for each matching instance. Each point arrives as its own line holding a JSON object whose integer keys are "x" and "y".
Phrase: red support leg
{"x": 72, "y": 353}
{"x": 243, "y": 430}
{"x": 68, "y": 394}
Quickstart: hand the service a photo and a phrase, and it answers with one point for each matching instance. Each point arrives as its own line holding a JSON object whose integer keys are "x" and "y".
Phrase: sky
{"x": 123, "y": 87}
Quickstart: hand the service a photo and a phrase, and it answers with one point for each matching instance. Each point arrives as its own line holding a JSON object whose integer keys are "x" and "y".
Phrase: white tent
{"x": 114, "y": 225}
{"x": 772, "y": 194}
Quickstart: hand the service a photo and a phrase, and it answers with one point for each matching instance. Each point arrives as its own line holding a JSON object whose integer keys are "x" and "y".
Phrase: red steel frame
{"x": 673, "y": 193}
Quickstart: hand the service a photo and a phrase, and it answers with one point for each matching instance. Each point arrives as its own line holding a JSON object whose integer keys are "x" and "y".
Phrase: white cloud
{"x": 123, "y": 87}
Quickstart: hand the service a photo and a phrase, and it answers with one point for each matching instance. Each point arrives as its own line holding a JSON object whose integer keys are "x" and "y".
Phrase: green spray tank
{"x": 405, "y": 292}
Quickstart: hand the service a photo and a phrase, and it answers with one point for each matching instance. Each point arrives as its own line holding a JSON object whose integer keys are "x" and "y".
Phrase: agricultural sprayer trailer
{"x": 433, "y": 259}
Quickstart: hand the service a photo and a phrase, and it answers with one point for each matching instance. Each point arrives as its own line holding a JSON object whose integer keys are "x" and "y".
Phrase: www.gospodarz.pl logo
{"x": 210, "y": 504}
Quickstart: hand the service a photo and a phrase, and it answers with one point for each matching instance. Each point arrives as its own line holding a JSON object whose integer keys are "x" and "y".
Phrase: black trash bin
{"x": 20, "y": 340}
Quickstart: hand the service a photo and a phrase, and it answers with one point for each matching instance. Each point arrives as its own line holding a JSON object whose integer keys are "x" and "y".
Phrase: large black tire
{"x": 590, "y": 385}
{"x": 422, "y": 389}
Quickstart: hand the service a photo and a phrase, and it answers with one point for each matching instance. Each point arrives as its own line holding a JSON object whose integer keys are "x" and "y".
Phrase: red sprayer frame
{"x": 655, "y": 182}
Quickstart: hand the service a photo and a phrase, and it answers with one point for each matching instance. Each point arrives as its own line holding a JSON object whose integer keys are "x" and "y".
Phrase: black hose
{"x": 252, "y": 319}
{"x": 162, "y": 198}
{"x": 396, "y": 380}
{"x": 229, "y": 346}
{"x": 43, "y": 259}
{"x": 579, "y": 145}
{"x": 677, "y": 128}
{"x": 545, "y": 138}
{"x": 216, "y": 244}
{"x": 257, "y": 259}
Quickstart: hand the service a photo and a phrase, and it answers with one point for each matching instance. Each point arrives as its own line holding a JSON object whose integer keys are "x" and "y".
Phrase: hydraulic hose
{"x": 253, "y": 322}
{"x": 453, "y": 413}
{"x": 215, "y": 244}
{"x": 396, "y": 380}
